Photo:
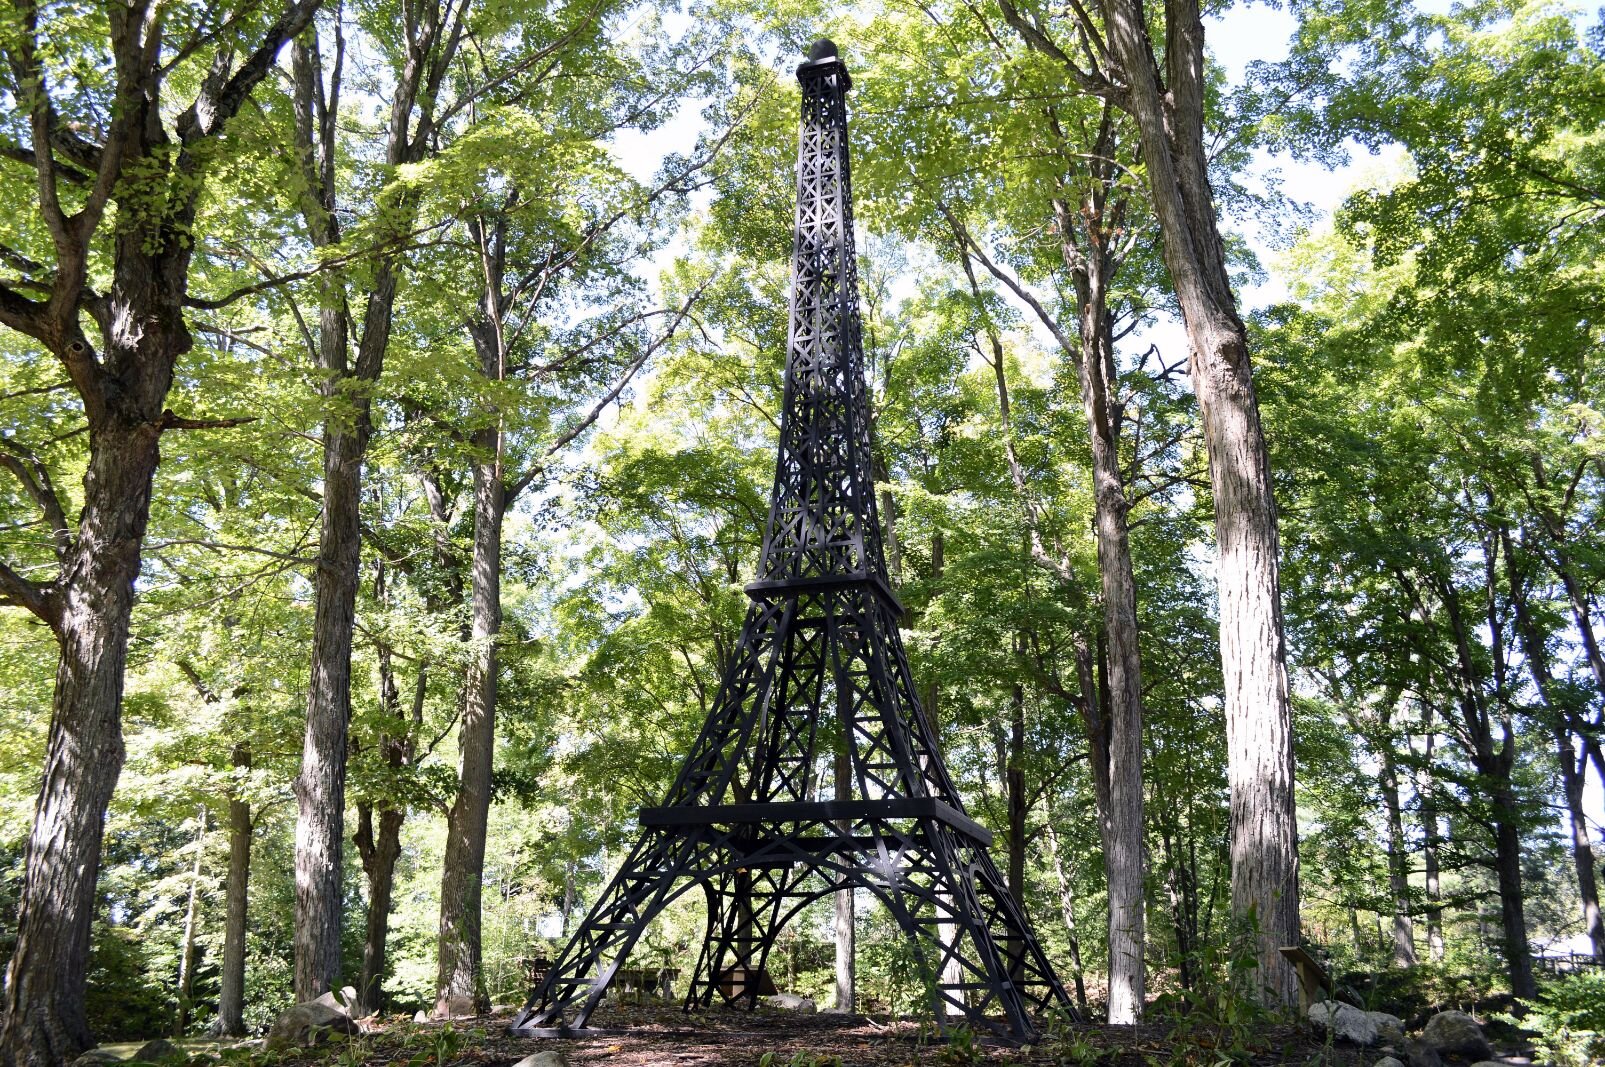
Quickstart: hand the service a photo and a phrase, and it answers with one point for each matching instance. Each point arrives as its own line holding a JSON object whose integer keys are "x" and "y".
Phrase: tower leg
{"x": 587, "y": 965}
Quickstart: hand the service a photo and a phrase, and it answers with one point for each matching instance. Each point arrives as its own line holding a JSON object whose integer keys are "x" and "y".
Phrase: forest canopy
{"x": 389, "y": 399}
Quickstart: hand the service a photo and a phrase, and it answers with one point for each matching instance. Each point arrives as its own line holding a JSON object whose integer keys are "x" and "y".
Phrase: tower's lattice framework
{"x": 753, "y": 819}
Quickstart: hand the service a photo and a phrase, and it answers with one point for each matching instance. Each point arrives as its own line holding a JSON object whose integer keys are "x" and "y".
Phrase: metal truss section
{"x": 752, "y": 819}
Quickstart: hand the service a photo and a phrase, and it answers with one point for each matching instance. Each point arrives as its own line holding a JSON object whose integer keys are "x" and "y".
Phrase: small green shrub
{"x": 799, "y": 1059}
{"x": 1567, "y": 1020}
{"x": 1220, "y": 1021}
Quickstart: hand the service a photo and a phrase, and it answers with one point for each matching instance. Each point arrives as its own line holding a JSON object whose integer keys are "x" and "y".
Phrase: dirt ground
{"x": 659, "y": 1036}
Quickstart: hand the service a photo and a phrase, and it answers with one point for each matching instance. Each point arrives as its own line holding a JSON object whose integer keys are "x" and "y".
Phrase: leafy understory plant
{"x": 1567, "y": 1020}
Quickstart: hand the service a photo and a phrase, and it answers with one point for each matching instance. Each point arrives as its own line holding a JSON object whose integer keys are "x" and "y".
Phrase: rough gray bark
{"x": 320, "y": 785}
{"x": 1572, "y": 768}
{"x": 460, "y": 972}
{"x": 1120, "y": 809}
{"x": 1093, "y": 266}
{"x": 144, "y": 267}
{"x": 1167, "y": 101}
{"x": 1404, "y": 941}
{"x": 1067, "y": 911}
{"x": 428, "y": 47}
{"x": 231, "y": 982}
{"x": 1431, "y": 840}
{"x": 382, "y": 848}
{"x": 186, "y": 951}
{"x": 1169, "y": 109}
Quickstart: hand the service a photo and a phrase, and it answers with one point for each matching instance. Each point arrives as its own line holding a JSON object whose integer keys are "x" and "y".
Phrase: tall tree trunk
{"x": 141, "y": 268}
{"x": 845, "y": 926}
{"x": 1092, "y": 268}
{"x": 1168, "y": 105}
{"x": 231, "y": 987}
{"x": 44, "y": 994}
{"x": 1572, "y": 769}
{"x": 1431, "y": 839}
{"x": 1404, "y": 941}
{"x": 320, "y": 787}
{"x": 1494, "y": 762}
{"x": 1121, "y": 809}
{"x": 460, "y": 971}
{"x": 186, "y": 951}
{"x": 1067, "y": 909}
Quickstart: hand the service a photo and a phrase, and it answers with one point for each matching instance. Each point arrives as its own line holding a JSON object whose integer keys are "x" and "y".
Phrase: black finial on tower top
{"x": 824, "y": 60}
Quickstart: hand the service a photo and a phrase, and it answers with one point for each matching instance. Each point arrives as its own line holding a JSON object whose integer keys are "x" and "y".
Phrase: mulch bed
{"x": 662, "y": 1036}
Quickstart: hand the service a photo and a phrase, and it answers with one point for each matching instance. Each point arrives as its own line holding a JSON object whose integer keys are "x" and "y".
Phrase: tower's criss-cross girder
{"x": 753, "y": 818}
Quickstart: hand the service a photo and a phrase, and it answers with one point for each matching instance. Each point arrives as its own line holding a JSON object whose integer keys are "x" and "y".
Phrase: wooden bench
{"x": 1314, "y": 984}
{"x": 534, "y": 969}
{"x": 641, "y": 981}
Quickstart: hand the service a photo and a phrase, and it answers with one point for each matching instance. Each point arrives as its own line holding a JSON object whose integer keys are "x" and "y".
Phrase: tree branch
{"x": 30, "y": 470}
{"x": 17, "y": 591}
{"x": 171, "y": 420}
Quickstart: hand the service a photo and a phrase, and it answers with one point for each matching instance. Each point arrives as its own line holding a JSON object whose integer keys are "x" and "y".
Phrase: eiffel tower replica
{"x": 753, "y": 819}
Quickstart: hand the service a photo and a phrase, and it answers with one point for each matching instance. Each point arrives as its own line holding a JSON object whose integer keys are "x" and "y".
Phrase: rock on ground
{"x": 160, "y": 1050}
{"x": 1421, "y": 1054}
{"x": 309, "y": 1023}
{"x": 542, "y": 1059}
{"x": 457, "y": 1006}
{"x": 1388, "y": 1061}
{"x": 1343, "y": 1021}
{"x": 792, "y": 1002}
{"x": 96, "y": 1056}
{"x": 1456, "y": 1033}
{"x": 344, "y": 1002}
{"x": 1390, "y": 1028}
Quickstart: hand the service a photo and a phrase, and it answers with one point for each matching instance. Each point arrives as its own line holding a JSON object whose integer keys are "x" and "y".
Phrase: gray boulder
{"x": 1390, "y": 1028}
{"x": 1344, "y": 1022}
{"x": 1420, "y": 1054}
{"x": 160, "y": 1050}
{"x": 310, "y": 1023}
{"x": 1454, "y": 1033}
{"x": 95, "y": 1057}
{"x": 543, "y": 1059}
{"x": 1388, "y": 1061}
{"x": 1490, "y": 1063}
{"x": 456, "y": 1006}
{"x": 792, "y": 1002}
{"x": 343, "y": 1001}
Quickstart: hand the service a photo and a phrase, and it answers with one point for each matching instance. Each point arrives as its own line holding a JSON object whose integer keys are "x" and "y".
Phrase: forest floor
{"x": 662, "y": 1036}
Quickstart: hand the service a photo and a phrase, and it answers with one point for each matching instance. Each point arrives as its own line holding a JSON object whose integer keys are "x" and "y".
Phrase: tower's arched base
{"x": 759, "y": 865}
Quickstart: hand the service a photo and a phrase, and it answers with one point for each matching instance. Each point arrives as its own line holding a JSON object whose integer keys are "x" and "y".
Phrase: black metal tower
{"x": 753, "y": 818}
